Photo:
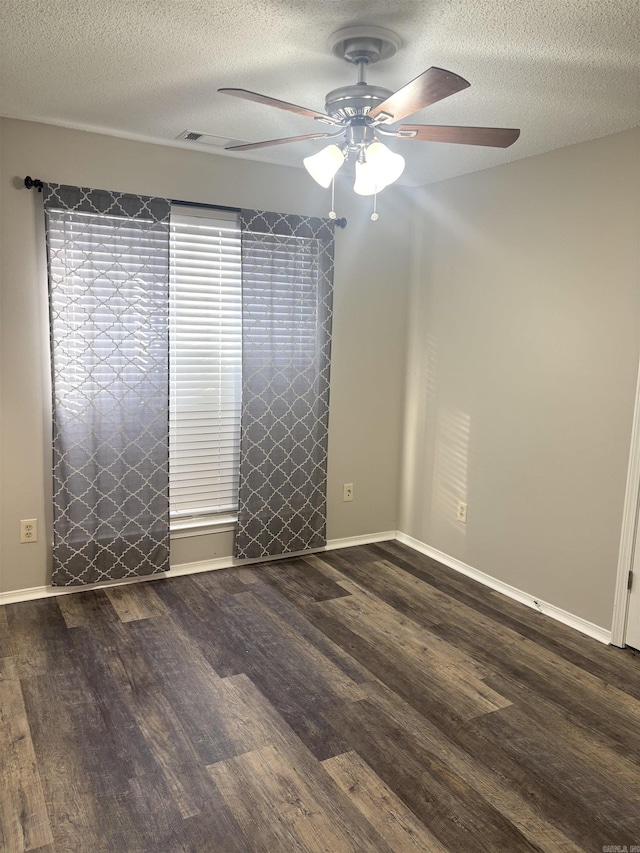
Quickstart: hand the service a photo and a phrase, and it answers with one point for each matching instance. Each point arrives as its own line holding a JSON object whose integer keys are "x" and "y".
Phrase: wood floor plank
{"x": 39, "y": 640}
{"x": 588, "y": 743}
{"x": 299, "y": 624}
{"x": 220, "y": 717}
{"x": 136, "y": 601}
{"x": 397, "y": 588}
{"x": 217, "y": 830}
{"x": 613, "y": 713}
{"x": 24, "y": 822}
{"x": 269, "y": 632}
{"x": 330, "y": 564}
{"x": 528, "y": 801}
{"x": 377, "y": 612}
{"x": 384, "y": 669}
{"x": 86, "y": 608}
{"x": 299, "y": 702}
{"x": 169, "y": 648}
{"x": 325, "y": 790}
{"x": 256, "y": 812}
{"x": 437, "y": 667}
{"x": 214, "y": 830}
{"x": 297, "y": 679}
{"x": 263, "y": 784}
{"x": 414, "y": 596}
{"x": 574, "y": 775}
{"x": 301, "y": 582}
{"x": 128, "y": 746}
{"x": 176, "y": 759}
{"x": 4, "y": 632}
{"x": 220, "y": 583}
{"x": 246, "y": 574}
{"x": 195, "y": 611}
{"x": 121, "y": 740}
{"x": 77, "y": 816}
{"x": 386, "y": 813}
{"x": 459, "y": 817}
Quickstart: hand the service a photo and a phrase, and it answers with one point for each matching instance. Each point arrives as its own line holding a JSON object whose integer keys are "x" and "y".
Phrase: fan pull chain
{"x": 375, "y": 215}
{"x": 332, "y": 212}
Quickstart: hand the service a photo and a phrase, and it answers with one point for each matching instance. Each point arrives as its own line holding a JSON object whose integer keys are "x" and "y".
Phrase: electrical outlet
{"x": 461, "y": 514}
{"x": 347, "y": 492}
{"x": 28, "y": 530}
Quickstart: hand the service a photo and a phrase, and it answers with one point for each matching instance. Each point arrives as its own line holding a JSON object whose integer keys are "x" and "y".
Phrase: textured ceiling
{"x": 564, "y": 71}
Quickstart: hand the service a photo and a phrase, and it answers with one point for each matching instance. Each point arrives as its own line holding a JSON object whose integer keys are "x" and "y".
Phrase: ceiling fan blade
{"x": 248, "y": 146}
{"x": 281, "y": 105}
{"x": 432, "y": 85}
{"x": 495, "y": 137}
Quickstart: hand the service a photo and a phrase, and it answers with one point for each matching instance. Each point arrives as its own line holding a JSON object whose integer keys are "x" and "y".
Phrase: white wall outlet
{"x": 28, "y": 530}
{"x": 347, "y": 492}
{"x": 461, "y": 514}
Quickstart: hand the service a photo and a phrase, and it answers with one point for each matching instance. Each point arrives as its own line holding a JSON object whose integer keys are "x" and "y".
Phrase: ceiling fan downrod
{"x": 360, "y": 46}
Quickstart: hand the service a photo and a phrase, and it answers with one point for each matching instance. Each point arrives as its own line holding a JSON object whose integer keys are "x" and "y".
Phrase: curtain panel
{"x": 287, "y": 294}
{"x": 108, "y": 265}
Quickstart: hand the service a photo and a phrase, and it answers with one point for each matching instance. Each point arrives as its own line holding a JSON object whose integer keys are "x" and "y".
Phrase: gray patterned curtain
{"x": 287, "y": 292}
{"x": 108, "y": 262}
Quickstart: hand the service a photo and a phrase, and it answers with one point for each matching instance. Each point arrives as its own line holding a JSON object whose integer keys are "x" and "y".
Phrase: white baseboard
{"x": 367, "y": 539}
{"x": 33, "y": 592}
{"x": 48, "y": 591}
{"x": 557, "y": 613}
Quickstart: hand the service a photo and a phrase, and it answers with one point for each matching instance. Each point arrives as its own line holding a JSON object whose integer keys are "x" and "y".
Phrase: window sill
{"x": 181, "y": 528}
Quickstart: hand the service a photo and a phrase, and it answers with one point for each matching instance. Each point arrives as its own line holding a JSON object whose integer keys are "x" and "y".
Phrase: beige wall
{"x": 522, "y": 367}
{"x": 368, "y": 349}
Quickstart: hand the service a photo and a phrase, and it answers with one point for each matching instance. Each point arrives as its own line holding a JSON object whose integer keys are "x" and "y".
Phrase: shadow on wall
{"x": 450, "y": 473}
{"x": 437, "y": 459}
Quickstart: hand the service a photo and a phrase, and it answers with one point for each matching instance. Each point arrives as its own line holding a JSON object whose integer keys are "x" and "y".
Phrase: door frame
{"x": 628, "y": 534}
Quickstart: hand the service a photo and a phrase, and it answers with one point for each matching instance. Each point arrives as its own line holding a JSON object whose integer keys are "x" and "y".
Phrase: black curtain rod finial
{"x": 31, "y": 183}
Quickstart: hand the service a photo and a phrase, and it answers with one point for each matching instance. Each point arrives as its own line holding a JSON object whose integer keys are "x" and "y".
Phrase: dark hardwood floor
{"x": 368, "y": 699}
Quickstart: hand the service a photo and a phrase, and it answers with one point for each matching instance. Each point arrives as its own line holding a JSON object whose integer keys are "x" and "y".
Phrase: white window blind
{"x": 205, "y": 339}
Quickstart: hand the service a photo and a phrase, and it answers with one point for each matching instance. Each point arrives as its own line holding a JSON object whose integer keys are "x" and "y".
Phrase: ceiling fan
{"x": 361, "y": 114}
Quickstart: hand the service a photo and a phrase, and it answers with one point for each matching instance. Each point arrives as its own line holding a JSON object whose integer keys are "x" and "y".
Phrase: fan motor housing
{"x": 354, "y": 101}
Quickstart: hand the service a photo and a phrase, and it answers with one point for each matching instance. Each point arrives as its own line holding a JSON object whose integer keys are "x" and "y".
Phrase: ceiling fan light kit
{"x": 360, "y": 114}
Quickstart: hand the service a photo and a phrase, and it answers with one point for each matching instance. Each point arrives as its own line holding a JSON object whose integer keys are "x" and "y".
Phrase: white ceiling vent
{"x": 207, "y": 139}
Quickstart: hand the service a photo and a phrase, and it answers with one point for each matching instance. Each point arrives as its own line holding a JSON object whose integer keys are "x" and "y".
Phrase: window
{"x": 205, "y": 340}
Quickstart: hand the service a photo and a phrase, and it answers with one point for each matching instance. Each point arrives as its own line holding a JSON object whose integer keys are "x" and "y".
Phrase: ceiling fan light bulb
{"x": 387, "y": 166}
{"x": 323, "y": 165}
{"x": 367, "y": 182}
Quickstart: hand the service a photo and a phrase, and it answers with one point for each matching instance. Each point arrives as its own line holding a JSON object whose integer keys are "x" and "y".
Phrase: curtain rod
{"x": 204, "y": 205}
{"x": 36, "y": 183}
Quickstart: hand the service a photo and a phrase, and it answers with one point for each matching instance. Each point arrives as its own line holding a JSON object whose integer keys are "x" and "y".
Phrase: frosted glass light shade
{"x": 323, "y": 165}
{"x": 387, "y": 166}
{"x": 365, "y": 183}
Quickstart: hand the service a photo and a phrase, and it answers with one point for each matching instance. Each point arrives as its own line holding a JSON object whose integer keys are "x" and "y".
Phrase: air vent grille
{"x": 207, "y": 139}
